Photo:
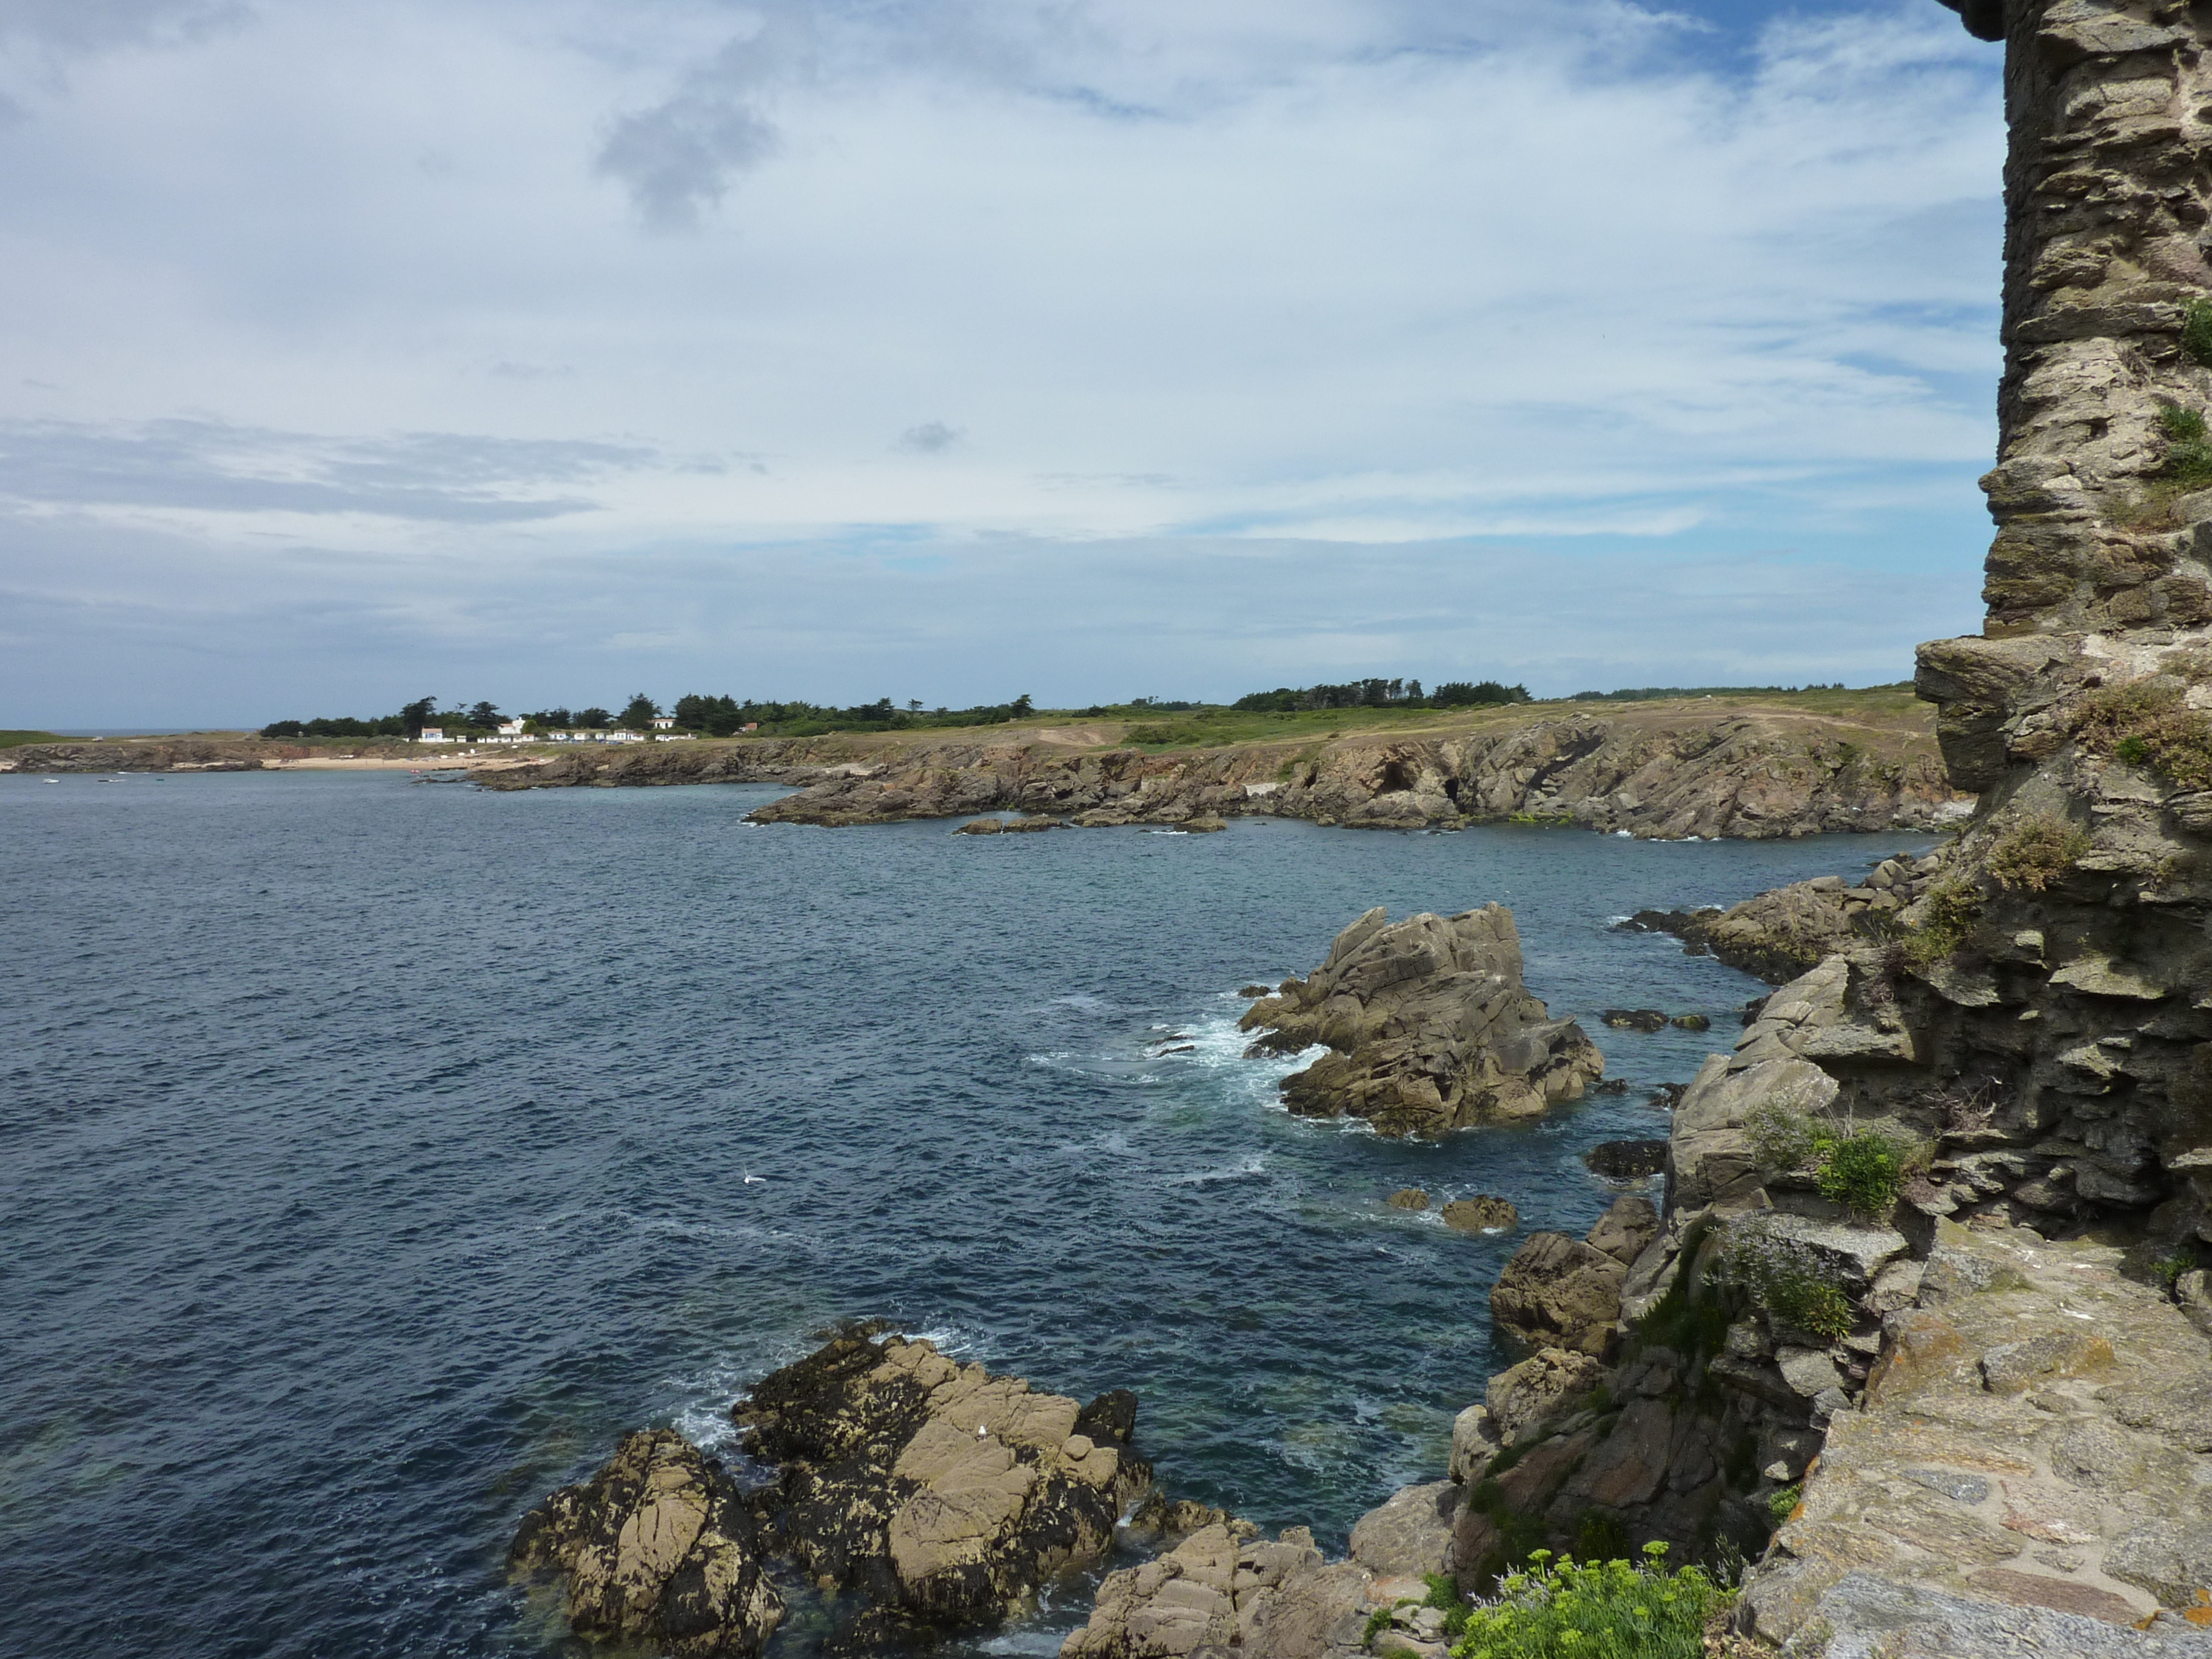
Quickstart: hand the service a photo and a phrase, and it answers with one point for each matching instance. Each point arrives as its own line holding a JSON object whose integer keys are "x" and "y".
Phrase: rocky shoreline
{"x": 1712, "y": 768}
{"x": 1706, "y": 768}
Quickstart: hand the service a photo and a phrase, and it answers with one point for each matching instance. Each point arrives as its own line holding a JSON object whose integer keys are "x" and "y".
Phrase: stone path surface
{"x": 2035, "y": 1434}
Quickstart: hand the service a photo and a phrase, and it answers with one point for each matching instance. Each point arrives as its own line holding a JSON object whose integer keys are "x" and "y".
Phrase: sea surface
{"x": 376, "y": 1150}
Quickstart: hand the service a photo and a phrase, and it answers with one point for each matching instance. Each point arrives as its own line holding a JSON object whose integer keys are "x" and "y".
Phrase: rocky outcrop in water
{"x": 934, "y": 1495}
{"x": 658, "y": 1547}
{"x": 1780, "y": 934}
{"x": 942, "y": 1494}
{"x": 1218, "y": 1592}
{"x": 182, "y": 754}
{"x": 1428, "y": 1025}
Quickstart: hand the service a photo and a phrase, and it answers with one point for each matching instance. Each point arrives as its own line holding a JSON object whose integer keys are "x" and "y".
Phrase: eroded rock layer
{"x": 1428, "y": 1025}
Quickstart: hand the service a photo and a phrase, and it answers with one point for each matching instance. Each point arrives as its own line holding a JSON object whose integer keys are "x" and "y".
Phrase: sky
{"x": 546, "y": 351}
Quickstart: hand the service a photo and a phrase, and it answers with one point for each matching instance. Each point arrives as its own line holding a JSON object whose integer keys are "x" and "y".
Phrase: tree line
{"x": 708, "y": 716}
{"x": 1382, "y": 694}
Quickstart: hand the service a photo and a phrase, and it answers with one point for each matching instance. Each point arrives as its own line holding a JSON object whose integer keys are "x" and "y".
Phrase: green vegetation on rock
{"x": 1865, "y": 1173}
{"x": 1948, "y": 912}
{"x": 2147, "y": 723}
{"x": 2188, "y": 452}
{"x": 2196, "y": 330}
{"x": 2036, "y": 852}
{"x": 16, "y": 739}
{"x": 1608, "y": 1610}
{"x": 1864, "y": 1170}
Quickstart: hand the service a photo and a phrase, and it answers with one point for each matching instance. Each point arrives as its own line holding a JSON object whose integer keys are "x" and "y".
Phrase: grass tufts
{"x": 2147, "y": 723}
{"x": 2032, "y": 855}
{"x": 2196, "y": 330}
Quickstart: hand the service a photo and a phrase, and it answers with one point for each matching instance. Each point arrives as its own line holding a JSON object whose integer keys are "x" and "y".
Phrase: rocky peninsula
{"x": 1748, "y": 767}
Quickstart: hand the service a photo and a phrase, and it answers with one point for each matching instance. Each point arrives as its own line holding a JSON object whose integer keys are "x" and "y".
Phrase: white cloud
{"x": 1366, "y": 271}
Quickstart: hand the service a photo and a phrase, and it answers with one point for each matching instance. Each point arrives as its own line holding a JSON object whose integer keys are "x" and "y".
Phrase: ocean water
{"x": 376, "y": 1150}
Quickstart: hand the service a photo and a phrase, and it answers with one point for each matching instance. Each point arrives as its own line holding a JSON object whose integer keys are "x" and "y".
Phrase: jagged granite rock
{"x": 1624, "y": 1229}
{"x": 942, "y": 1494}
{"x": 1866, "y": 1616}
{"x": 659, "y": 1546}
{"x": 1531, "y": 1392}
{"x": 1407, "y": 1535}
{"x": 1558, "y": 1292}
{"x": 1215, "y": 1592}
{"x": 1428, "y": 1025}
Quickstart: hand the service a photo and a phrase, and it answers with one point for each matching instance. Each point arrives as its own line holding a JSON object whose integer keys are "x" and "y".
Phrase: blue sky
{"x": 544, "y": 349}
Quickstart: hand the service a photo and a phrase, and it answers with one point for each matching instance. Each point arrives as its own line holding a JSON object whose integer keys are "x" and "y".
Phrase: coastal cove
{"x": 385, "y": 1149}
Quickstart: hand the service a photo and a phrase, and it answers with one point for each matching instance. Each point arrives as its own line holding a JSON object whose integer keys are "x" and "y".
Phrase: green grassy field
{"x": 1215, "y": 728}
{"x": 16, "y": 739}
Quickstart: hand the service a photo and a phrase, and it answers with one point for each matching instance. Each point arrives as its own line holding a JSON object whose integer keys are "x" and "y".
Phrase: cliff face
{"x": 1745, "y": 769}
{"x": 2062, "y": 966}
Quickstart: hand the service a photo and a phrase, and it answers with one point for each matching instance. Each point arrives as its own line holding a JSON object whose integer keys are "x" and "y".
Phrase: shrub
{"x": 1782, "y": 1140}
{"x": 1781, "y": 1502}
{"x": 2196, "y": 330}
{"x": 2036, "y": 852}
{"x": 1864, "y": 1169}
{"x": 1609, "y": 1610}
{"x": 1948, "y": 912}
{"x": 2188, "y": 454}
{"x": 1865, "y": 1172}
{"x": 1793, "y": 1284}
{"x": 1811, "y": 1304}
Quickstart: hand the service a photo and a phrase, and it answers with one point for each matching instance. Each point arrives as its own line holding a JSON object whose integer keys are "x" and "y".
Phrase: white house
{"x": 511, "y": 730}
{"x": 664, "y": 722}
{"x": 434, "y": 734}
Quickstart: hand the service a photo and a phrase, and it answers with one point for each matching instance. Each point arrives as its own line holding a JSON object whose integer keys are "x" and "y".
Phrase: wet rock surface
{"x": 940, "y": 1493}
{"x": 1481, "y": 1214}
{"x": 658, "y": 1547}
{"x": 1626, "y": 1160}
{"x": 928, "y": 1496}
{"x": 1428, "y": 1025}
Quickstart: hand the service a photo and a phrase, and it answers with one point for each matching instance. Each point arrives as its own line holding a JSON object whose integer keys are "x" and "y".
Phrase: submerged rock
{"x": 660, "y": 1546}
{"x": 1408, "y": 1198}
{"x": 1626, "y": 1160}
{"x": 1480, "y": 1214}
{"x": 1430, "y": 1026}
